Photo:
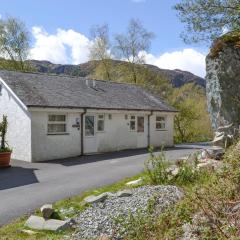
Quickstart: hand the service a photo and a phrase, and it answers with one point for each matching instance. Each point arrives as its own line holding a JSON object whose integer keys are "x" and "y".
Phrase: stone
{"x": 216, "y": 152}
{"x": 173, "y": 170}
{"x": 95, "y": 199}
{"x": 39, "y": 223}
{"x": 236, "y": 208}
{"x": 47, "y": 210}
{"x": 135, "y": 182}
{"x": 124, "y": 193}
{"x": 104, "y": 237}
{"x": 207, "y": 165}
{"x": 29, "y": 232}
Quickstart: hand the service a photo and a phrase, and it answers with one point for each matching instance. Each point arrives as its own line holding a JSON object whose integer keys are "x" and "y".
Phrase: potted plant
{"x": 5, "y": 151}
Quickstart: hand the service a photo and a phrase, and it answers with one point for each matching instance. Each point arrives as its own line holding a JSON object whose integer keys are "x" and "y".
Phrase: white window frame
{"x": 57, "y": 122}
{"x": 162, "y": 121}
{"x": 101, "y": 119}
{"x": 133, "y": 120}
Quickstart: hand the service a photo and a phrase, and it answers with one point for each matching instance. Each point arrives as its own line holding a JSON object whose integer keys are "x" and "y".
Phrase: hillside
{"x": 176, "y": 77}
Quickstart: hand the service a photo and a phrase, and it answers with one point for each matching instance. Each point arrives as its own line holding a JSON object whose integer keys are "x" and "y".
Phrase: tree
{"x": 192, "y": 123}
{"x": 206, "y": 20}
{"x": 100, "y": 50}
{"x": 14, "y": 42}
{"x": 131, "y": 45}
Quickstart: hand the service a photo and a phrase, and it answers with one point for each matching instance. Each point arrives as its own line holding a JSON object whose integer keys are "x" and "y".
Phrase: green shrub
{"x": 187, "y": 173}
{"x": 156, "y": 168}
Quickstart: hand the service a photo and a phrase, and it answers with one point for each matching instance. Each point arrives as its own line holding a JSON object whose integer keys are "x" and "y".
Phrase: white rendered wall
{"x": 19, "y": 124}
{"x": 116, "y": 135}
{"x": 161, "y": 137}
{"x": 48, "y": 147}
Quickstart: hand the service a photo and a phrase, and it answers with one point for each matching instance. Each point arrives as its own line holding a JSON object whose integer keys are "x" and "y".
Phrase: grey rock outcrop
{"x": 223, "y": 86}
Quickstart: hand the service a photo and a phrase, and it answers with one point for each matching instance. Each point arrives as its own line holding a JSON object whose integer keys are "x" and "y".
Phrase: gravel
{"x": 111, "y": 216}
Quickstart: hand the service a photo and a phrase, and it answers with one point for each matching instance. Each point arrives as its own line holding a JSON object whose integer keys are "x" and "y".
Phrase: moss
{"x": 231, "y": 38}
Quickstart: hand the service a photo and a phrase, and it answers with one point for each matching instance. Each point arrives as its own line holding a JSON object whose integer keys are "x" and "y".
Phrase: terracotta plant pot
{"x": 5, "y": 158}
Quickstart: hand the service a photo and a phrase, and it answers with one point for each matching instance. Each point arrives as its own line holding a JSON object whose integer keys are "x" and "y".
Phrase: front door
{"x": 90, "y": 143}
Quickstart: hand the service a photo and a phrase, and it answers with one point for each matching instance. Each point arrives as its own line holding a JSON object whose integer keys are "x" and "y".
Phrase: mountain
{"x": 176, "y": 77}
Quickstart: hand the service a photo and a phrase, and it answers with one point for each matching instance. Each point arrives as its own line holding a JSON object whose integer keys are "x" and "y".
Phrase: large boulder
{"x": 223, "y": 84}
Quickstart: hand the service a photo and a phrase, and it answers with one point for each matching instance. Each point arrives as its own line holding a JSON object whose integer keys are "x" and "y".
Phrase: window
{"x": 100, "y": 123}
{"x": 160, "y": 123}
{"x": 140, "y": 124}
{"x": 89, "y": 126}
{"x": 57, "y": 124}
{"x": 132, "y": 123}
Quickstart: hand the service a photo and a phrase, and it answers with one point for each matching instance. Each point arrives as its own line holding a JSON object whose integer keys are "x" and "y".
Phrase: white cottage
{"x": 54, "y": 116}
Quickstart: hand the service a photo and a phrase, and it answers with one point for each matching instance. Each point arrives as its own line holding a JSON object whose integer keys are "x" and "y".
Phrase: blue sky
{"x": 60, "y": 29}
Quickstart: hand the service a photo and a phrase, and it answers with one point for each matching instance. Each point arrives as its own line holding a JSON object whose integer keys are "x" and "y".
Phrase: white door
{"x": 141, "y": 132}
{"x": 90, "y": 141}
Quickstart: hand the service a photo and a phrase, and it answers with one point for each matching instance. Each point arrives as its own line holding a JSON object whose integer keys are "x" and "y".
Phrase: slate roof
{"x": 45, "y": 90}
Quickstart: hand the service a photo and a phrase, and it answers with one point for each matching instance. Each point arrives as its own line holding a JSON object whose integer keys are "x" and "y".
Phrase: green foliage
{"x": 100, "y": 50}
{"x": 3, "y": 132}
{"x": 192, "y": 124}
{"x": 207, "y": 206}
{"x": 156, "y": 168}
{"x": 206, "y": 19}
{"x": 14, "y": 43}
{"x": 187, "y": 174}
{"x": 137, "y": 39}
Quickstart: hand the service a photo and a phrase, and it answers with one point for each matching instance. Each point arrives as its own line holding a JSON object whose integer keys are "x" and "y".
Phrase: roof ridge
{"x": 71, "y": 76}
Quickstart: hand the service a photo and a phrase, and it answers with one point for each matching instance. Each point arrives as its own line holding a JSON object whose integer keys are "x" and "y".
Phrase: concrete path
{"x": 26, "y": 186}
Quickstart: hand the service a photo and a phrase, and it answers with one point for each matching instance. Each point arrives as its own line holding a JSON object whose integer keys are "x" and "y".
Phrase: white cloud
{"x": 186, "y": 59}
{"x": 71, "y": 47}
{"x": 66, "y": 46}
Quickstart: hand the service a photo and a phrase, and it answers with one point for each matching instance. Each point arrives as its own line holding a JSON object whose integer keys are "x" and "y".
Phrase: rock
{"x": 173, "y": 170}
{"x": 236, "y": 208}
{"x": 210, "y": 164}
{"x": 206, "y": 165}
{"x": 135, "y": 182}
{"x": 112, "y": 216}
{"x": 47, "y": 210}
{"x": 104, "y": 237}
{"x": 124, "y": 193}
{"x": 39, "y": 223}
{"x": 223, "y": 86}
{"x": 29, "y": 232}
{"x": 96, "y": 199}
{"x": 216, "y": 152}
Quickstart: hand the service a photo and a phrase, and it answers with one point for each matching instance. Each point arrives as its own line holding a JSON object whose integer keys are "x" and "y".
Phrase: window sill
{"x": 161, "y": 130}
{"x": 54, "y": 134}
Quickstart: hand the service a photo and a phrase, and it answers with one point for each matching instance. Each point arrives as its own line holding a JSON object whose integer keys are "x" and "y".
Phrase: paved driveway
{"x": 26, "y": 186}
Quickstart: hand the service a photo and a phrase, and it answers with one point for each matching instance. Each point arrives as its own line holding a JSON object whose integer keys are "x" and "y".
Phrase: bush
{"x": 187, "y": 174}
{"x": 156, "y": 168}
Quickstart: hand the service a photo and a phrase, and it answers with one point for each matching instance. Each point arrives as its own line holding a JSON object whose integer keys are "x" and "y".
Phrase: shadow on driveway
{"x": 112, "y": 155}
{"x": 16, "y": 176}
